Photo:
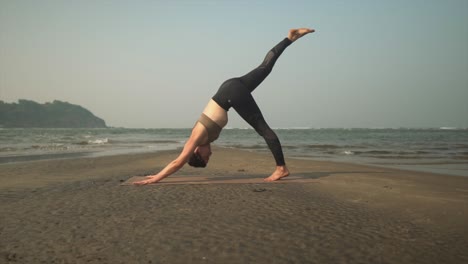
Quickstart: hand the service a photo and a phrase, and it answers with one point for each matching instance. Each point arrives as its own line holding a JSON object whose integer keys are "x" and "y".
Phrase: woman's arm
{"x": 192, "y": 143}
{"x": 173, "y": 166}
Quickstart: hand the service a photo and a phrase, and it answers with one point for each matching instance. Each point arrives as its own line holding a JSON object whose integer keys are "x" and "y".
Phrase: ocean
{"x": 438, "y": 150}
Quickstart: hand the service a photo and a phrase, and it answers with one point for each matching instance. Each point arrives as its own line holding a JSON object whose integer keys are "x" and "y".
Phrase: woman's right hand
{"x": 150, "y": 179}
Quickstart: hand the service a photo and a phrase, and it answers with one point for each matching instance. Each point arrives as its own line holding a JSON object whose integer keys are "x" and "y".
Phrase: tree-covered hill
{"x": 57, "y": 114}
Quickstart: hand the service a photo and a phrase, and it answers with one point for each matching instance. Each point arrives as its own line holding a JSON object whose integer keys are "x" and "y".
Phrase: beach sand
{"x": 77, "y": 211}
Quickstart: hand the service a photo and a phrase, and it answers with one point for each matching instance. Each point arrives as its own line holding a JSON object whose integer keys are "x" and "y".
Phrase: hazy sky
{"x": 157, "y": 63}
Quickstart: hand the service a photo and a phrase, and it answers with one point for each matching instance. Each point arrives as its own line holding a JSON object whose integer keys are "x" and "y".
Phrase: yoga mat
{"x": 216, "y": 180}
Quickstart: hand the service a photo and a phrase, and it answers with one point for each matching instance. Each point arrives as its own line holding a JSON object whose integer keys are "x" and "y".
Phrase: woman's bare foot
{"x": 296, "y": 33}
{"x": 280, "y": 172}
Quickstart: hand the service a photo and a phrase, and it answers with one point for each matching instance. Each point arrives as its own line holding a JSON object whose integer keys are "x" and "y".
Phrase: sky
{"x": 156, "y": 64}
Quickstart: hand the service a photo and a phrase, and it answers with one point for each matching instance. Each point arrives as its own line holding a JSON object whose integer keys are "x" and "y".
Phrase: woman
{"x": 235, "y": 93}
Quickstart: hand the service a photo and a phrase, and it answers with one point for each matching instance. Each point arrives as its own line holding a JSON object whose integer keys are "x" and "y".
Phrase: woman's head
{"x": 201, "y": 156}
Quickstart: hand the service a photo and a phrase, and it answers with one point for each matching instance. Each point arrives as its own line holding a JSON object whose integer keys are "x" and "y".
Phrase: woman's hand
{"x": 150, "y": 179}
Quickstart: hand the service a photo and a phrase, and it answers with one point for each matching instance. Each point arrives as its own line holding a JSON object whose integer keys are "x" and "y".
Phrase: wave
{"x": 380, "y": 153}
{"x": 99, "y": 141}
{"x": 330, "y": 146}
{"x": 94, "y": 142}
{"x": 240, "y": 146}
{"x": 294, "y": 128}
{"x": 291, "y": 147}
{"x": 396, "y": 157}
{"x": 438, "y": 148}
{"x": 54, "y": 146}
{"x": 158, "y": 141}
{"x": 389, "y": 152}
{"x": 7, "y": 149}
{"x": 323, "y": 146}
{"x": 386, "y": 152}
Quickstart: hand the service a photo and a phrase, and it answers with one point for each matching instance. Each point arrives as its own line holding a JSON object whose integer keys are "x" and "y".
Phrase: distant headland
{"x": 57, "y": 114}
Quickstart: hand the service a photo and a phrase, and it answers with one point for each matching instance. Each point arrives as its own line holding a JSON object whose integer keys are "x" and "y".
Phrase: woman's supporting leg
{"x": 252, "y": 79}
{"x": 248, "y": 109}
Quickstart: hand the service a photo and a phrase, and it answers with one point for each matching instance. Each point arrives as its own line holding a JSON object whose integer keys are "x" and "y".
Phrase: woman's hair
{"x": 196, "y": 161}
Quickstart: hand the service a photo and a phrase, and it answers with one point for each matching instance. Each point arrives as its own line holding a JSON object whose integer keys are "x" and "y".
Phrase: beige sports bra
{"x": 211, "y": 126}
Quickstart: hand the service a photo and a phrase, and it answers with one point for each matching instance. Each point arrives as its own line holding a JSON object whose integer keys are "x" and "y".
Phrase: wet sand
{"x": 77, "y": 211}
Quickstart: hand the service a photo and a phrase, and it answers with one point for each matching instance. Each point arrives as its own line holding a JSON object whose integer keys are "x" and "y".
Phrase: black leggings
{"x": 236, "y": 93}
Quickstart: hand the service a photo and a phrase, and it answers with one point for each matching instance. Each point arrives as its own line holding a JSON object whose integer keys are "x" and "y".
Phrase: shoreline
{"x": 453, "y": 168}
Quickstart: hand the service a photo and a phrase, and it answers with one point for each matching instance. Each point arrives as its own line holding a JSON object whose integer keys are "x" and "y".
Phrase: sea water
{"x": 443, "y": 150}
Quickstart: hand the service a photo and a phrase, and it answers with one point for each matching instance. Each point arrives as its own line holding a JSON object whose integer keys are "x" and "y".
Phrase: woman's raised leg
{"x": 252, "y": 79}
